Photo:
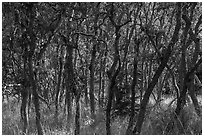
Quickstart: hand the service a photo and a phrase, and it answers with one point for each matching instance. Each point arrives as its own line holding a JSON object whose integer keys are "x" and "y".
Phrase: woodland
{"x": 101, "y": 68}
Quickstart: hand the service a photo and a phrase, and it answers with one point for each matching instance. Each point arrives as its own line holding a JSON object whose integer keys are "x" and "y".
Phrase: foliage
{"x": 101, "y": 68}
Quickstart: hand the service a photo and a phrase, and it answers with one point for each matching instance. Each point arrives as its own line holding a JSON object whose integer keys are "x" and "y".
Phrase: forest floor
{"x": 156, "y": 121}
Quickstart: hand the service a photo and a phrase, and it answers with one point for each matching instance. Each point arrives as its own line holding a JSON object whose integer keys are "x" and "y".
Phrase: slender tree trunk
{"x": 112, "y": 77}
{"x": 86, "y": 89}
{"x": 134, "y": 83}
{"x": 29, "y": 102}
{"x": 111, "y": 90}
{"x": 182, "y": 72}
{"x": 103, "y": 78}
{"x": 32, "y": 80}
{"x": 142, "y": 83}
{"x": 68, "y": 103}
{"x": 35, "y": 98}
{"x": 192, "y": 88}
{"x": 147, "y": 94}
{"x": 69, "y": 79}
{"x": 141, "y": 116}
{"x": 145, "y": 75}
{"x": 58, "y": 88}
{"x": 77, "y": 116}
{"x": 108, "y": 110}
{"x": 24, "y": 114}
{"x": 100, "y": 83}
{"x": 103, "y": 89}
{"x": 181, "y": 99}
{"x": 194, "y": 99}
{"x": 25, "y": 95}
{"x": 91, "y": 92}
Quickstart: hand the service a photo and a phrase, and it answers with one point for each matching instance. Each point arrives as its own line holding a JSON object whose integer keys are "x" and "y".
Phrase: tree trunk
{"x": 69, "y": 78}
{"x": 103, "y": 78}
{"x": 112, "y": 77}
{"x": 68, "y": 103}
{"x": 91, "y": 92}
{"x": 181, "y": 99}
{"x": 32, "y": 80}
{"x": 147, "y": 94}
{"x": 58, "y": 88}
{"x": 195, "y": 101}
{"x": 151, "y": 85}
{"x": 100, "y": 83}
{"x": 77, "y": 116}
{"x": 110, "y": 99}
{"x": 35, "y": 98}
{"x": 24, "y": 115}
{"x": 132, "y": 114}
{"x": 25, "y": 95}
{"x": 195, "y": 58}
{"x": 134, "y": 83}
{"x": 108, "y": 110}
{"x": 142, "y": 83}
{"x": 103, "y": 89}
{"x": 114, "y": 70}
{"x": 86, "y": 89}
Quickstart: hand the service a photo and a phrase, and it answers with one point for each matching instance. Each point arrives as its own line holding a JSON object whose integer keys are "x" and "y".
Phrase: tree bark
{"x": 181, "y": 99}
{"x": 86, "y": 84}
{"x": 141, "y": 116}
{"x": 195, "y": 101}
{"x": 24, "y": 114}
{"x": 58, "y": 87}
{"x": 69, "y": 78}
{"x": 32, "y": 80}
{"x": 134, "y": 83}
{"x": 112, "y": 77}
{"x": 35, "y": 98}
{"x": 110, "y": 99}
{"x": 195, "y": 58}
{"x": 148, "y": 92}
{"x": 114, "y": 70}
{"x": 91, "y": 92}
{"x": 100, "y": 82}
{"x": 77, "y": 116}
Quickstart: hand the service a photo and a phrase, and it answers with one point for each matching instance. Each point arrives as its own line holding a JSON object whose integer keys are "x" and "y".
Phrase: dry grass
{"x": 156, "y": 122}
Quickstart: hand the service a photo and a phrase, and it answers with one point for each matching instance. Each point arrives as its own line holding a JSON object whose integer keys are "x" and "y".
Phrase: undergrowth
{"x": 156, "y": 121}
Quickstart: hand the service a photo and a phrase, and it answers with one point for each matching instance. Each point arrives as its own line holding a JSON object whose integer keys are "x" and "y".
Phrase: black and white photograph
{"x": 101, "y": 68}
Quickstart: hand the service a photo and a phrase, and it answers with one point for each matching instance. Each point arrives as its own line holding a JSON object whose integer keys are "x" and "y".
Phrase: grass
{"x": 156, "y": 121}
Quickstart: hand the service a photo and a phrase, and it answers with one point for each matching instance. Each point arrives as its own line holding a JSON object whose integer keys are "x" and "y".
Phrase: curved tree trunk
{"x": 143, "y": 105}
{"x": 147, "y": 94}
{"x": 114, "y": 70}
{"x": 112, "y": 77}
